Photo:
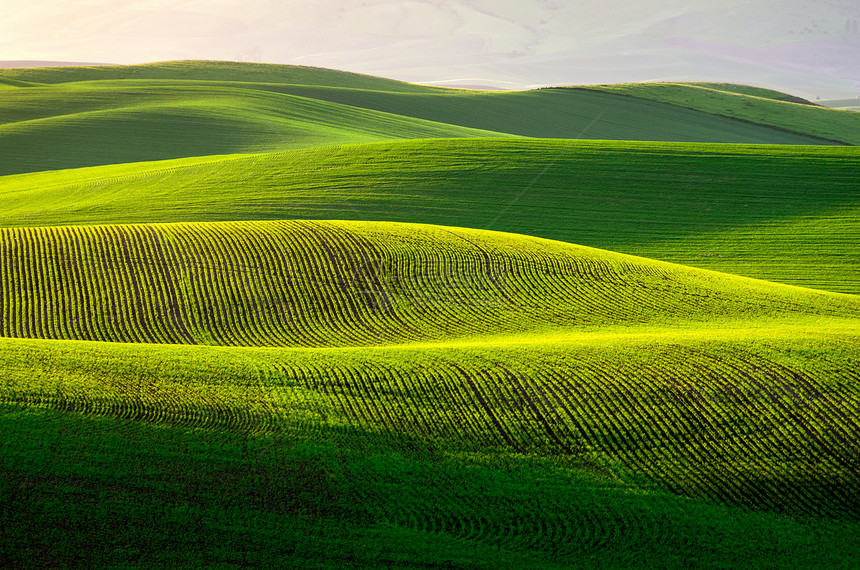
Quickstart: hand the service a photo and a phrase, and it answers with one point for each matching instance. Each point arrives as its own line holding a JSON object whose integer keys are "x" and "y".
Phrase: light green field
{"x": 624, "y": 448}
{"x": 747, "y": 90}
{"x": 211, "y": 71}
{"x": 301, "y": 318}
{"x": 560, "y": 113}
{"x": 353, "y": 284}
{"x": 844, "y": 104}
{"x": 48, "y": 128}
{"x": 722, "y": 207}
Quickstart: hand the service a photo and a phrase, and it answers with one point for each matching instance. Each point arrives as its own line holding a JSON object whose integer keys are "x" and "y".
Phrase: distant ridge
{"x": 130, "y": 113}
{"x": 204, "y": 70}
{"x": 36, "y": 63}
{"x": 469, "y": 86}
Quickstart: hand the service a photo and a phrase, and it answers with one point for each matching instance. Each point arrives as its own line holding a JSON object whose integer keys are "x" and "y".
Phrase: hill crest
{"x": 328, "y": 283}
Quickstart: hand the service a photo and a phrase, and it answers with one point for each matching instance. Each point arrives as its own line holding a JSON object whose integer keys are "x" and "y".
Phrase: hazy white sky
{"x": 809, "y": 47}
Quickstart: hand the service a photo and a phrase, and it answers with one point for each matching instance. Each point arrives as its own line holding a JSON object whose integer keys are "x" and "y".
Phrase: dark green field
{"x": 273, "y": 316}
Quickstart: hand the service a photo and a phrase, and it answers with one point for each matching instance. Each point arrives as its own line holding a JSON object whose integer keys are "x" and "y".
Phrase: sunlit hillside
{"x": 287, "y": 317}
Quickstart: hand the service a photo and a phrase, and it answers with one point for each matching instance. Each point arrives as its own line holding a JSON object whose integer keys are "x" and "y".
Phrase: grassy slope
{"x": 844, "y": 104}
{"x": 606, "y": 433}
{"x": 658, "y": 415}
{"x": 200, "y": 503}
{"x": 726, "y": 208}
{"x": 211, "y": 71}
{"x": 103, "y": 115}
{"x": 759, "y": 92}
{"x": 484, "y": 110}
{"x": 353, "y": 284}
{"x": 89, "y": 124}
{"x": 561, "y": 114}
{"x": 543, "y": 452}
{"x": 816, "y": 121}
{"x": 740, "y": 89}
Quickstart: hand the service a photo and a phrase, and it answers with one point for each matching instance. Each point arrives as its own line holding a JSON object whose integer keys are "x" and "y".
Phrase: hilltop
{"x": 353, "y": 284}
{"x": 65, "y": 117}
{"x": 198, "y": 70}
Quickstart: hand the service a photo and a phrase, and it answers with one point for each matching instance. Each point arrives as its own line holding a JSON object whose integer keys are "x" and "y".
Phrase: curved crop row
{"x": 347, "y": 283}
{"x": 755, "y": 420}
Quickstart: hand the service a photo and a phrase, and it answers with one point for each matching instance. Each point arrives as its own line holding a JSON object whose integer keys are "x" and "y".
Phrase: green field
{"x": 586, "y": 451}
{"x": 846, "y": 104}
{"x": 728, "y": 208}
{"x": 757, "y": 106}
{"x": 535, "y": 371}
{"x": 276, "y": 316}
{"x": 49, "y": 128}
{"x": 352, "y": 284}
{"x": 72, "y": 117}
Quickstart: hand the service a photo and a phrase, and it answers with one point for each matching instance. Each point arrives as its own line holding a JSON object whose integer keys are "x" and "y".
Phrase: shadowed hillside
{"x": 757, "y": 106}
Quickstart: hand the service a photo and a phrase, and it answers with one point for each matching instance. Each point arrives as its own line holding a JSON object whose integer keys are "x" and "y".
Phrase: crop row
{"x": 724, "y": 420}
{"x": 726, "y": 425}
{"x": 519, "y": 507}
{"x": 342, "y": 283}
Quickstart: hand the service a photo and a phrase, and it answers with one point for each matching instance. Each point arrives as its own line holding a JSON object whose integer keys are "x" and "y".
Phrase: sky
{"x": 805, "y": 47}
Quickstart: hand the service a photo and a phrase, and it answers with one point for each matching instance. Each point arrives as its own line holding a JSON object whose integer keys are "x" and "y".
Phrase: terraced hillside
{"x": 786, "y": 214}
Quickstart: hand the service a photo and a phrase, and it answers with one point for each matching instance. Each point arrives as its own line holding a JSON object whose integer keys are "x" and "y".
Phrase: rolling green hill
{"x": 137, "y": 477}
{"x": 563, "y": 113}
{"x": 760, "y": 107}
{"x": 193, "y": 70}
{"x": 722, "y": 207}
{"x": 532, "y": 113}
{"x": 748, "y": 90}
{"x": 352, "y": 284}
{"x": 278, "y": 316}
{"x": 86, "y": 125}
{"x": 84, "y": 116}
{"x": 633, "y": 395}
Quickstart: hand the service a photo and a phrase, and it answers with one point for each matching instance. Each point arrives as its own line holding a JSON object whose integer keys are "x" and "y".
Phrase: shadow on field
{"x": 93, "y": 491}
